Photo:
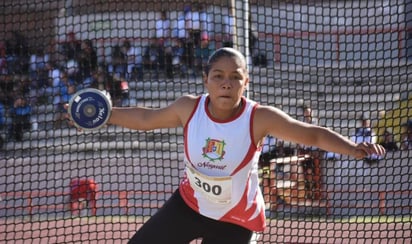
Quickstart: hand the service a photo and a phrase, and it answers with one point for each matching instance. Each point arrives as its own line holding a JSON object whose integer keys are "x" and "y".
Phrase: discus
{"x": 90, "y": 109}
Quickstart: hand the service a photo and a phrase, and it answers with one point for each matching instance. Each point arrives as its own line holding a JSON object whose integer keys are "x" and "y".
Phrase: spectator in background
{"x": 192, "y": 25}
{"x": 134, "y": 59}
{"x": 82, "y": 195}
{"x": 269, "y": 150}
{"x": 258, "y": 58}
{"x": 206, "y": 24}
{"x": 21, "y": 87}
{"x": 192, "y": 18}
{"x": 163, "y": 27}
{"x": 364, "y": 133}
{"x": 52, "y": 90}
{"x": 164, "y": 42}
{"x": 178, "y": 52}
{"x": 3, "y": 59}
{"x": 188, "y": 29}
{"x": 67, "y": 87}
{"x": 17, "y": 53}
{"x": 181, "y": 37}
{"x": 273, "y": 148}
{"x": 406, "y": 137}
{"x": 71, "y": 50}
{"x": 151, "y": 55}
{"x": 196, "y": 23}
{"x": 2, "y": 115}
{"x": 2, "y": 121}
{"x": 118, "y": 62}
{"x": 179, "y": 30}
{"x": 100, "y": 79}
{"x": 203, "y": 52}
{"x": 37, "y": 68}
{"x": 389, "y": 142}
{"x": 228, "y": 27}
{"x": 253, "y": 36}
{"x": 113, "y": 84}
{"x": 87, "y": 62}
{"x": 7, "y": 89}
{"x": 120, "y": 91}
{"x": 20, "y": 114}
{"x": 71, "y": 47}
{"x": 54, "y": 51}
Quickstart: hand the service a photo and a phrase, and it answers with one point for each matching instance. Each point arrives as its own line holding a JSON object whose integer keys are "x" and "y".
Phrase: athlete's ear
{"x": 247, "y": 80}
{"x": 246, "y": 85}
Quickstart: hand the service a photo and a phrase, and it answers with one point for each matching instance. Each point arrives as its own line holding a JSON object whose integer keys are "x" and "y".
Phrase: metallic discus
{"x": 90, "y": 109}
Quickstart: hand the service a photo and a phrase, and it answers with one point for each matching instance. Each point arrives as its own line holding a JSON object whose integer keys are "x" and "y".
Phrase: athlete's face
{"x": 226, "y": 82}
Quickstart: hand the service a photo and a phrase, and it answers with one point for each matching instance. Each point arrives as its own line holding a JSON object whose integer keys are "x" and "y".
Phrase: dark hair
{"x": 126, "y": 43}
{"x": 89, "y": 43}
{"x": 306, "y": 106}
{"x": 364, "y": 117}
{"x": 224, "y": 52}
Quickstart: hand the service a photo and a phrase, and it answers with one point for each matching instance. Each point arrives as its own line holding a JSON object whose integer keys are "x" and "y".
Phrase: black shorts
{"x": 176, "y": 223}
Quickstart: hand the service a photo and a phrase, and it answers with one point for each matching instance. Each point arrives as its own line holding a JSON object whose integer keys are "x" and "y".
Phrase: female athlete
{"x": 219, "y": 199}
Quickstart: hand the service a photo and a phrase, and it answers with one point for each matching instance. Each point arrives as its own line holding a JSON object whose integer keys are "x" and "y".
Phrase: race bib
{"x": 216, "y": 189}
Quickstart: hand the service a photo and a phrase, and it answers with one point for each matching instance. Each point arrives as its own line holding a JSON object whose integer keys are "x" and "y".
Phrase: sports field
{"x": 383, "y": 229}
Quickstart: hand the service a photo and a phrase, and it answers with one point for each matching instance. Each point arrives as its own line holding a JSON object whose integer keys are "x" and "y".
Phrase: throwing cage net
{"x": 342, "y": 64}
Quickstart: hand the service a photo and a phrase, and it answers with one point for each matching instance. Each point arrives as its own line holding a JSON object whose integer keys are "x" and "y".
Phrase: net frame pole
{"x": 240, "y": 12}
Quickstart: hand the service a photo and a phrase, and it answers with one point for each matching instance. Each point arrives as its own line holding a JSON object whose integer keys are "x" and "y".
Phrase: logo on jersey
{"x": 214, "y": 149}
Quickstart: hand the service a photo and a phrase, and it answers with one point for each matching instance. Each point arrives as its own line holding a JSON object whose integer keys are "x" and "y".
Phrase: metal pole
{"x": 232, "y": 13}
{"x": 240, "y": 11}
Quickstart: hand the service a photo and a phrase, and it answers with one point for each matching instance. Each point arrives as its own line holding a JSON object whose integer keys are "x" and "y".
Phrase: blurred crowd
{"x": 52, "y": 73}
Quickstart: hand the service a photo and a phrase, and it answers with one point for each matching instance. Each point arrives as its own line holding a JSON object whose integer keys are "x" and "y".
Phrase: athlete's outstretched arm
{"x": 277, "y": 123}
{"x": 142, "y": 118}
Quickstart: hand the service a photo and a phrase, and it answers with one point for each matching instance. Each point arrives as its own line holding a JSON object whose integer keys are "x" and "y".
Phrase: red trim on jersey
{"x": 250, "y": 154}
{"x": 242, "y": 109}
{"x": 184, "y": 186}
{"x": 256, "y": 224}
{"x": 259, "y": 222}
{"x": 252, "y": 120}
{"x": 186, "y": 127}
{"x": 186, "y": 190}
{"x": 252, "y": 149}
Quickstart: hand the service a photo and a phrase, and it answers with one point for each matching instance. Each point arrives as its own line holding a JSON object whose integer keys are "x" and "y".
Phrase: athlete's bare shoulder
{"x": 186, "y": 101}
{"x": 189, "y": 98}
{"x": 184, "y": 106}
{"x": 268, "y": 119}
{"x": 263, "y": 112}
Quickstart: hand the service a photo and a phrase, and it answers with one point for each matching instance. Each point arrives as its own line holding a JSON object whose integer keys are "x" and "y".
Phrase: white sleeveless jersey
{"x": 221, "y": 178}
